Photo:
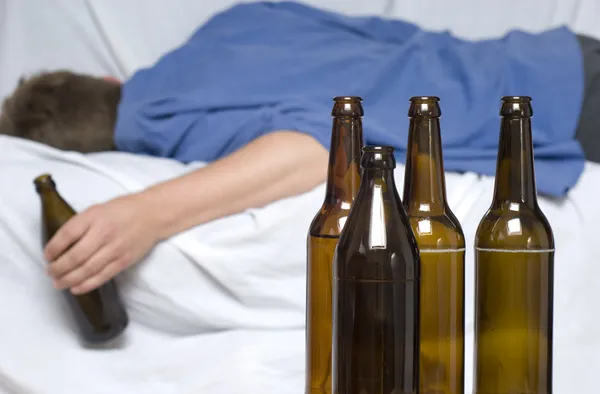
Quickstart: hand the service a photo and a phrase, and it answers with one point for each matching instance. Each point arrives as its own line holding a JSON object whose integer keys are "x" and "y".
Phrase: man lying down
{"x": 250, "y": 93}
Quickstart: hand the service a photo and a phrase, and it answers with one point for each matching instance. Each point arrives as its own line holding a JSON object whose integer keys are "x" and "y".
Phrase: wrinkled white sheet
{"x": 244, "y": 273}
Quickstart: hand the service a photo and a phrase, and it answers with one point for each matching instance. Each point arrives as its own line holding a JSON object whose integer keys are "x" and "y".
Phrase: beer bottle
{"x": 514, "y": 270}
{"x": 343, "y": 180}
{"x": 442, "y": 253}
{"x": 99, "y": 315}
{"x": 376, "y": 288}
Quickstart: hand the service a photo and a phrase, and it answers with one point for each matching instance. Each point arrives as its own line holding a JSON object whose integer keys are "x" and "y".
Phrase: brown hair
{"x": 64, "y": 110}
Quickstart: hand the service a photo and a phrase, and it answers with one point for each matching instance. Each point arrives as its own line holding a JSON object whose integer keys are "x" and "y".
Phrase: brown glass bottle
{"x": 442, "y": 253}
{"x": 99, "y": 314}
{"x": 343, "y": 181}
{"x": 514, "y": 270}
{"x": 376, "y": 289}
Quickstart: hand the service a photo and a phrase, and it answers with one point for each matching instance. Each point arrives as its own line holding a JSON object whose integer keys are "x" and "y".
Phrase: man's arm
{"x": 278, "y": 165}
{"x": 102, "y": 241}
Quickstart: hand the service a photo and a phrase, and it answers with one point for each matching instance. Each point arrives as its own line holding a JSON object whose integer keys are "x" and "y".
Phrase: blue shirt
{"x": 260, "y": 67}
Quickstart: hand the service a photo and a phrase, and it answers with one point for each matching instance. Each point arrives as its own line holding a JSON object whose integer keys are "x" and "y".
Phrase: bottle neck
{"x": 424, "y": 185}
{"x": 46, "y": 193}
{"x": 378, "y": 189}
{"x": 52, "y": 201}
{"x": 376, "y": 178}
{"x": 343, "y": 176}
{"x": 515, "y": 179}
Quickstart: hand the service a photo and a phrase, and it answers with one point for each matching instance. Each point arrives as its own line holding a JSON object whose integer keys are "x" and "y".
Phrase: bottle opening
{"x": 433, "y": 99}
{"x": 378, "y": 157}
{"x": 44, "y": 180}
{"x": 355, "y": 99}
{"x": 378, "y": 149}
{"x": 426, "y": 106}
{"x": 516, "y": 99}
{"x": 516, "y": 107}
{"x": 347, "y": 106}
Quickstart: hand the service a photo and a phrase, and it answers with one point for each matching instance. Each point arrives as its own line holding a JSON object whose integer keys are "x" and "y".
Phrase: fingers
{"x": 87, "y": 268}
{"x": 85, "y": 246}
{"x": 107, "y": 273}
{"x": 97, "y": 244}
{"x": 68, "y": 234}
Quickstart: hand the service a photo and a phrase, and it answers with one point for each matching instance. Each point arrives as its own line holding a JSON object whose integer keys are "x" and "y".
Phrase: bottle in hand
{"x": 514, "y": 270}
{"x": 99, "y": 314}
{"x": 376, "y": 288}
{"x": 343, "y": 181}
{"x": 442, "y": 253}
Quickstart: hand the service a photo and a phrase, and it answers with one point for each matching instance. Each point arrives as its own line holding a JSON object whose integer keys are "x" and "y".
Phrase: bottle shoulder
{"x": 377, "y": 246}
{"x": 329, "y": 220}
{"x": 514, "y": 227}
{"x": 438, "y": 232}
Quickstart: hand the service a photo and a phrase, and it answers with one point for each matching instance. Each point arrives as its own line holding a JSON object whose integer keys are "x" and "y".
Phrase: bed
{"x": 220, "y": 308}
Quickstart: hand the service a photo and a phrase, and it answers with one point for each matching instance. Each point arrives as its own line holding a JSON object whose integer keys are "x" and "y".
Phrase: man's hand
{"x": 100, "y": 242}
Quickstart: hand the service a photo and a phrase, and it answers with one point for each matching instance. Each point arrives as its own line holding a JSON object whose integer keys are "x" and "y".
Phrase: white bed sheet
{"x": 244, "y": 273}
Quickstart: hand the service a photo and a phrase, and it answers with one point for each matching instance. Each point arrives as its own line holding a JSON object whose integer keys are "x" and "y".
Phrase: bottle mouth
{"x": 353, "y": 99}
{"x": 516, "y": 99}
{"x": 424, "y": 106}
{"x": 347, "y": 107}
{"x": 378, "y": 149}
{"x": 417, "y": 99}
{"x": 378, "y": 158}
{"x": 44, "y": 180}
{"x": 516, "y": 107}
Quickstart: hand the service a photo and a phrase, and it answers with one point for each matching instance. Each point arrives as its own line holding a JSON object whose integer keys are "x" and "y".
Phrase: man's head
{"x": 64, "y": 110}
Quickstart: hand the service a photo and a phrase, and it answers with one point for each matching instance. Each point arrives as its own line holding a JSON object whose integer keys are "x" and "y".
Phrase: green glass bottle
{"x": 442, "y": 252}
{"x": 514, "y": 270}
{"x": 99, "y": 314}
{"x": 343, "y": 180}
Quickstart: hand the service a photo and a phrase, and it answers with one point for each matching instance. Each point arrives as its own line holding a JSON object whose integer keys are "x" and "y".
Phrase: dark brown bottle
{"x": 376, "y": 289}
{"x": 514, "y": 270}
{"x": 442, "y": 253}
{"x": 99, "y": 314}
{"x": 343, "y": 181}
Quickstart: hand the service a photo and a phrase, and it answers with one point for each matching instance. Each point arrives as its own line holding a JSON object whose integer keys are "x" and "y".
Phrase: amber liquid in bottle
{"x": 514, "y": 270}
{"x": 99, "y": 314}
{"x": 343, "y": 181}
{"x": 376, "y": 289}
{"x": 442, "y": 253}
